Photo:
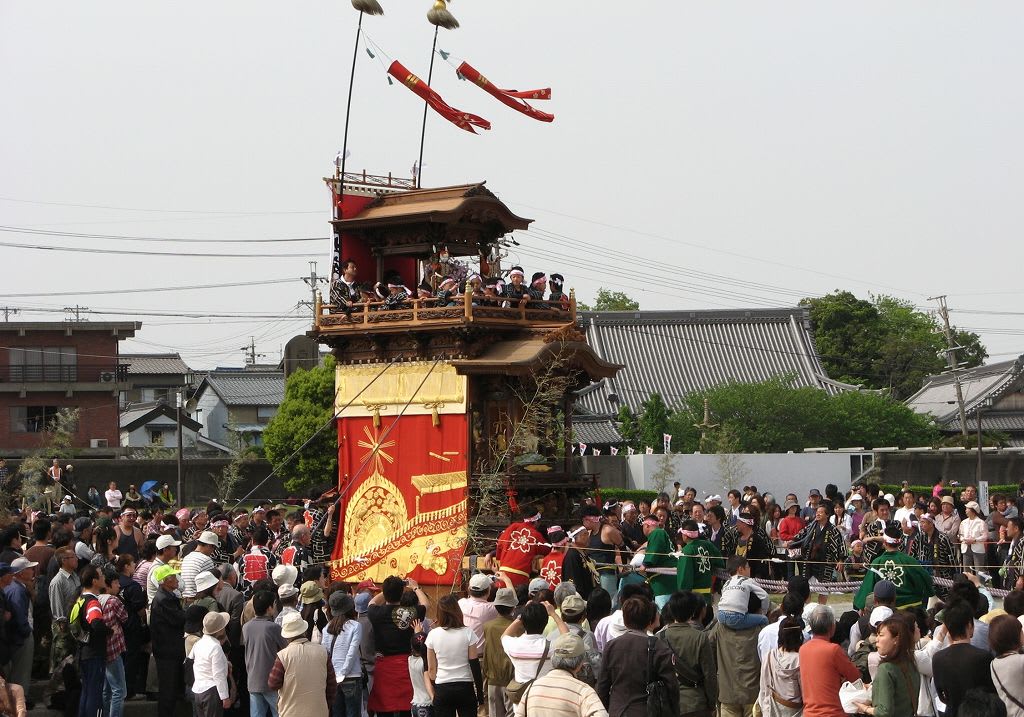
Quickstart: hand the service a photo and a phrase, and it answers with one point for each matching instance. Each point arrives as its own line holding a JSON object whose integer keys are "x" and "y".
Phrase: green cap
{"x": 163, "y": 572}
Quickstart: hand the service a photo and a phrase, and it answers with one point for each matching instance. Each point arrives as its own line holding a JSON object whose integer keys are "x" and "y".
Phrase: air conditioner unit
{"x": 97, "y": 443}
{"x": 107, "y": 377}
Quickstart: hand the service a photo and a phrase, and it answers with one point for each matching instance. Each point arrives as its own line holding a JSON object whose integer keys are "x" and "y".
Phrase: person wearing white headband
{"x": 577, "y": 567}
{"x": 912, "y": 581}
{"x": 697, "y": 562}
{"x": 749, "y": 541}
{"x": 515, "y": 290}
{"x": 518, "y": 545}
{"x": 872, "y": 533}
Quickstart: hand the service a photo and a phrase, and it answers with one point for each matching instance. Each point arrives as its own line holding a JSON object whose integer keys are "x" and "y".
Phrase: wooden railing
{"x": 468, "y": 309}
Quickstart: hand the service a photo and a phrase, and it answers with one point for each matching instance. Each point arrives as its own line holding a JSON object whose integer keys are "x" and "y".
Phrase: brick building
{"x": 47, "y": 366}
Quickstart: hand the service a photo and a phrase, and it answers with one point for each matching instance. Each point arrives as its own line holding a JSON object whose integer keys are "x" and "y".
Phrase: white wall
{"x": 213, "y": 414}
{"x": 775, "y": 473}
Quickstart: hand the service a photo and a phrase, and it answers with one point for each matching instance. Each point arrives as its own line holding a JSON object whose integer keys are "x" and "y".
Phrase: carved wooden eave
{"x": 465, "y": 216}
{"x": 528, "y": 356}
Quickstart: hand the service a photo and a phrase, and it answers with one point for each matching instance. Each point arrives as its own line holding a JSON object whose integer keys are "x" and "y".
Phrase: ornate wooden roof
{"x": 462, "y": 214}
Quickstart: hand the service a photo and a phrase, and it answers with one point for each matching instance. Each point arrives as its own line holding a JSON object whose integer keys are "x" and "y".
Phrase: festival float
{"x": 451, "y": 412}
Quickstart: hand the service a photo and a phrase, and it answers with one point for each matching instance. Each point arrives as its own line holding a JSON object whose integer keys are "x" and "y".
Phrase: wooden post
{"x": 415, "y": 309}
{"x": 317, "y": 304}
{"x": 467, "y": 302}
{"x": 572, "y": 304}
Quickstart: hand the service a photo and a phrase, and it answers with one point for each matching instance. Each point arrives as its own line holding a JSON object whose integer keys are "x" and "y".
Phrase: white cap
{"x": 166, "y": 541}
{"x": 879, "y": 615}
{"x": 480, "y": 583}
{"x": 209, "y": 538}
{"x": 286, "y": 591}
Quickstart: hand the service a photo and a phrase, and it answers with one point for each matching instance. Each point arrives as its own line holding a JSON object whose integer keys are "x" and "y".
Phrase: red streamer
{"x": 461, "y": 119}
{"x": 512, "y": 98}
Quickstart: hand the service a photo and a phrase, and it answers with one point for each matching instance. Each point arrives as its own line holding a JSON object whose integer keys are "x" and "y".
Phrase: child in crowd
{"x": 422, "y": 689}
{"x": 855, "y": 565}
{"x": 736, "y": 597}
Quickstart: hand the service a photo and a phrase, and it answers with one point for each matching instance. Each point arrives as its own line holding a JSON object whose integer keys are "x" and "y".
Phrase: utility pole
{"x": 181, "y": 471}
{"x": 312, "y": 281}
{"x": 952, "y": 362}
{"x": 77, "y": 311}
{"x": 250, "y": 352}
{"x": 8, "y": 311}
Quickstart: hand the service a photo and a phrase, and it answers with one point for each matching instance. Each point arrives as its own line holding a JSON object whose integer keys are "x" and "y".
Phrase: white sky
{"x": 788, "y": 148}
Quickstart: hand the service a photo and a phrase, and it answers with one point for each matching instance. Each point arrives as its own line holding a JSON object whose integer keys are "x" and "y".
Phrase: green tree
{"x": 773, "y": 416}
{"x": 308, "y": 404}
{"x": 886, "y": 343}
{"x": 628, "y": 428}
{"x": 610, "y": 301}
{"x": 653, "y": 423}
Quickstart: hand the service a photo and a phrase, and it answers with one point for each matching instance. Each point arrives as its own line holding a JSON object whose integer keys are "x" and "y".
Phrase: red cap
{"x": 367, "y": 585}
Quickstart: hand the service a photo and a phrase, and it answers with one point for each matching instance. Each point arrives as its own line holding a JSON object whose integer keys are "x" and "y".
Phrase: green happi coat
{"x": 659, "y": 545}
{"x": 912, "y": 581}
{"x": 696, "y": 567}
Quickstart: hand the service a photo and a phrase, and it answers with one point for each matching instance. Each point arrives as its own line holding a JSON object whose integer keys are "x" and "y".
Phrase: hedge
{"x": 1008, "y": 489}
{"x": 621, "y": 494}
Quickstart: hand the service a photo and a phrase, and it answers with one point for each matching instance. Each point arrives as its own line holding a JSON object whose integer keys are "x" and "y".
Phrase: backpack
{"x": 77, "y": 624}
{"x": 860, "y": 655}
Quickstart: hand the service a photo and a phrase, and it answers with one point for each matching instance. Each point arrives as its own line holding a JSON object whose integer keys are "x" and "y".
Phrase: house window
{"x": 156, "y": 394}
{"x": 33, "y": 419}
{"x": 156, "y": 436}
{"x": 50, "y": 363}
{"x": 264, "y": 414}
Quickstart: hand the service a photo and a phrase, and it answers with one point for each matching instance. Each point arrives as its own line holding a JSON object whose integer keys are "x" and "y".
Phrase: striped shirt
{"x": 559, "y": 694}
{"x": 191, "y": 565}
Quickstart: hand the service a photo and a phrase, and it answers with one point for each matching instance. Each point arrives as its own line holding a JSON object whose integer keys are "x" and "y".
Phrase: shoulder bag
{"x": 658, "y": 702}
{"x": 516, "y": 690}
{"x": 1006, "y": 691}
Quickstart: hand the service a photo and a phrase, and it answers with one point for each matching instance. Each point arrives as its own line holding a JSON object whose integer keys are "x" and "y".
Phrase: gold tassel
{"x": 440, "y": 16}
{"x": 370, "y": 7}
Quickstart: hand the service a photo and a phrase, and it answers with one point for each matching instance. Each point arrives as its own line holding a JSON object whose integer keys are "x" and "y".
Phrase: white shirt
{"x": 113, "y": 498}
{"x": 211, "y": 667}
{"x": 524, "y": 652}
{"x": 902, "y": 514}
{"x": 973, "y": 528}
{"x": 451, "y": 647}
{"x": 474, "y": 614}
{"x": 417, "y": 675}
{"x": 608, "y": 629}
{"x": 736, "y": 594}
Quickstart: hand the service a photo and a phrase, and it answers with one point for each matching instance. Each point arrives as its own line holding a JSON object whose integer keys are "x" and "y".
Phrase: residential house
{"x": 234, "y": 405}
{"x": 156, "y": 424}
{"x": 677, "y": 353}
{"x": 155, "y": 377}
{"x": 47, "y": 366}
{"x": 995, "y": 392}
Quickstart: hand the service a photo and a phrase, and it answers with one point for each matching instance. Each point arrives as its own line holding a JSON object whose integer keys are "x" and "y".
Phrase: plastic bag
{"x": 853, "y": 692}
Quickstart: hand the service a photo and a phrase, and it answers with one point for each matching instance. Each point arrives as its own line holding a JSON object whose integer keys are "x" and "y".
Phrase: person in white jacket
{"x": 973, "y": 534}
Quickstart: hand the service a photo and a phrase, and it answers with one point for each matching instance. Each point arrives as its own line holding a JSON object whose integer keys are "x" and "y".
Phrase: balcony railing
{"x": 75, "y": 373}
{"x": 426, "y": 313}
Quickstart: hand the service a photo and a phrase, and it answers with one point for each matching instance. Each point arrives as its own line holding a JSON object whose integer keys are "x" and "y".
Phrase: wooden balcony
{"x": 425, "y": 314}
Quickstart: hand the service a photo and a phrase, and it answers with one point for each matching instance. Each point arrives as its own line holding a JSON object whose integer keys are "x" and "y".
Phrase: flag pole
{"x": 348, "y": 112}
{"x": 423, "y": 130}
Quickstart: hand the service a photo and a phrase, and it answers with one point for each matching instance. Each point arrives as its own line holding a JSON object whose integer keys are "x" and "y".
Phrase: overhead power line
{"x": 126, "y": 237}
{"x": 91, "y": 250}
{"x": 152, "y": 289}
{"x": 155, "y": 211}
